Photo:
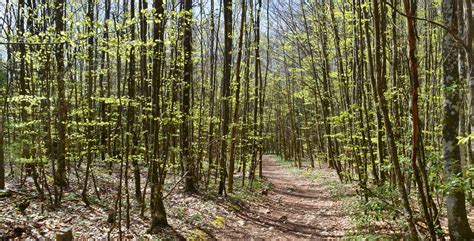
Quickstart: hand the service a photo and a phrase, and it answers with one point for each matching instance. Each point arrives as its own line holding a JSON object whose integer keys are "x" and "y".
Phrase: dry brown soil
{"x": 294, "y": 208}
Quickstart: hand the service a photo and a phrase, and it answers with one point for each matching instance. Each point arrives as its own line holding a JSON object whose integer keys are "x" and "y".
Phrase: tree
{"x": 101, "y": 94}
{"x": 455, "y": 199}
{"x": 60, "y": 176}
{"x": 2, "y": 145}
{"x": 186, "y": 129}
{"x": 90, "y": 91}
{"x": 409, "y": 10}
{"x": 392, "y": 148}
{"x": 235, "y": 116}
{"x": 158, "y": 168}
{"x": 132, "y": 133}
{"x": 225, "y": 94}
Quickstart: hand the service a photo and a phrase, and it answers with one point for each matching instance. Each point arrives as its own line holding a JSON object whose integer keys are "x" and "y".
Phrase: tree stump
{"x": 64, "y": 234}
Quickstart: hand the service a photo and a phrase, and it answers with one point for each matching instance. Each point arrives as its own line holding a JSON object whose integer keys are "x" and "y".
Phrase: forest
{"x": 236, "y": 119}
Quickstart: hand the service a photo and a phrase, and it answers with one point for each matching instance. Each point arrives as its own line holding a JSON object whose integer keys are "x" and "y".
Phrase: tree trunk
{"x": 392, "y": 146}
{"x": 455, "y": 199}
{"x": 186, "y": 128}
{"x": 2, "y": 147}
{"x": 235, "y": 117}
{"x": 90, "y": 80}
{"x": 226, "y": 95}
{"x": 60, "y": 176}
{"x": 158, "y": 172}
{"x": 415, "y": 115}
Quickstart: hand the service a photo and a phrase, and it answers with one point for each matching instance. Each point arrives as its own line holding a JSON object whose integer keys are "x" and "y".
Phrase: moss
{"x": 197, "y": 234}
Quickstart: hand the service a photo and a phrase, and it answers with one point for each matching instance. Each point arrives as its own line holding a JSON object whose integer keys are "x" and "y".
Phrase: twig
{"x": 455, "y": 36}
{"x": 23, "y": 42}
{"x": 401, "y": 212}
{"x": 175, "y": 185}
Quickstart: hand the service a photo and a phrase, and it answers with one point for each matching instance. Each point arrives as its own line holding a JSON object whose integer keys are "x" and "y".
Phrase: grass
{"x": 313, "y": 175}
{"x": 370, "y": 236}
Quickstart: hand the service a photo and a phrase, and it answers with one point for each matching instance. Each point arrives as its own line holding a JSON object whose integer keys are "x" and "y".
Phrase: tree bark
{"x": 2, "y": 146}
{"x": 90, "y": 80}
{"x": 235, "y": 117}
{"x": 455, "y": 199}
{"x": 186, "y": 128}
{"x": 226, "y": 95}
{"x": 158, "y": 172}
{"x": 415, "y": 115}
{"x": 60, "y": 176}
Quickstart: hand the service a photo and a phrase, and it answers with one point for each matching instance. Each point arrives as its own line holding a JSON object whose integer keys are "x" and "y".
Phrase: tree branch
{"x": 455, "y": 36}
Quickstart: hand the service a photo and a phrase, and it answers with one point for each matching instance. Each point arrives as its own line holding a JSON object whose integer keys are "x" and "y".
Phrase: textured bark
{"x": 235, "y": 117}
{"x": 2, "y": 147}
{"x": 225, "y": 95}
{"x": 186, "y": 133}
{"x": 158, "y": 212}
{"x": 455, "y": 199}
{"x": 60, "y": 176}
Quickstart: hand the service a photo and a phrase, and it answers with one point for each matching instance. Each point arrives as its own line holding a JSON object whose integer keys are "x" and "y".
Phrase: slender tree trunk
{"x": 60, "y": 176}
{"x": 158, "y": 212}
{"x": 469, "y": 35}
{"x": 131, "y": 147}
{"x": 235, "y": 117}
{"x": 381, "y": 88}
{"x": 186, "y": 129}
{"x": 90, "y": 80}
{"x": 415, "y": 116}
{"x": 2, "y": 145}
{"x": 225, "y": 95}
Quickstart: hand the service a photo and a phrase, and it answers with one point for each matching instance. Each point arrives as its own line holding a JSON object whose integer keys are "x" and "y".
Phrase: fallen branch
{"x": 175, "y": 185}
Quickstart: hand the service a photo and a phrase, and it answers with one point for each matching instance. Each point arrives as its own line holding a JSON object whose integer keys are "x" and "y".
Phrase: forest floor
{"x": 288, "y": 203}
{"x": 282, "y": 205}
{"x": 294, "y": 208}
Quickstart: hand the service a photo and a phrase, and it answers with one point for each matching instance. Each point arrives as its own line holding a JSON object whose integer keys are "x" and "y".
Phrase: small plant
{"x": 219, "y": 222}
{"x": 196, "y": 218}
{"x": 197, "y": 234}
{"x": 180, "y": 213}
{"x": 234, "y": 207}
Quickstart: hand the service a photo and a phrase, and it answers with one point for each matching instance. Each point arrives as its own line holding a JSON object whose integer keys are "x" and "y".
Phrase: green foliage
{"x": 463, "y": 140}
{"x": 196, "y": 218}
{"x": 247, "y": 193}
{"x": 180, "y": 213}
{"x": 3, "y": 77}
{"x": 197, "y": 235}
{"x": 382, "y": 208}
{"x": 219, "y": 222}
{"x": 373, "y": 236}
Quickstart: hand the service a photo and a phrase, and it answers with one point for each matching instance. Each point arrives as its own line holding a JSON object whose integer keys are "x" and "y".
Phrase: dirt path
{"x": 294, "y": 208}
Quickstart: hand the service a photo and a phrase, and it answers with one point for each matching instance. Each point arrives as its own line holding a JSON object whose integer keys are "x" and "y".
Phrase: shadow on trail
{"x": 288, "y": 227}
{"x": 294, "y": 208}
